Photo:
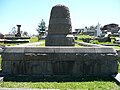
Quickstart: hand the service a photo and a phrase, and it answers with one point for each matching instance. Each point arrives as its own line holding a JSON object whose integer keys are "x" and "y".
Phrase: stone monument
{"x": 98, "y": 31}
{"x": 60, "y": 29}
{"x": 18, "y": 31}
{"x": 56, "y": 59}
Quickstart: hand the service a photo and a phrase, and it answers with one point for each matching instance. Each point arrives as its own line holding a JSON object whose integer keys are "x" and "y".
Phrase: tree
{"x": 25, "y": 33}
{"x": 13, "y": 31}
{"x": 41, "y": 28}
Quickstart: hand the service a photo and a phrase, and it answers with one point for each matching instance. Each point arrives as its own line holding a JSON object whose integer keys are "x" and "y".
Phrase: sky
{"x": 29, "y": 13}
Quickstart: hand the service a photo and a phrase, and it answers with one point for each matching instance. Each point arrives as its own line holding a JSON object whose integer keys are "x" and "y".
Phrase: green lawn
{"x": 119, "y": 64}
{"x": 84, "y": 36}
{"x": 2, "y": 44}
{"x": 91, "y": 85}
{"x": 33, "y": 39}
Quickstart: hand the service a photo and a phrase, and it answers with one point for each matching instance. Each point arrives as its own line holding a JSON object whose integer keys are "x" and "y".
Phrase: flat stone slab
{"x": 70, "y": 61}
{"x": 54, "y": 49}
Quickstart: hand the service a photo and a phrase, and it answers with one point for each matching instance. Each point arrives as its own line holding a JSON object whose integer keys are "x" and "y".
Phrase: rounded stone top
{"x": 60, "y": 22}
{"x": 60, "y": 5}
{"x": 19, "y": 25}
{"x": 60, "y": 11}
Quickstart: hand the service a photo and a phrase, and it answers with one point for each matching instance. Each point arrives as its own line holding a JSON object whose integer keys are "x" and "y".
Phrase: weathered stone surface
{"x": 70, "y": 61}
{"x": 59, "y": 27}
{"x": 59, "y": 40}
{"x": 60, "y": 22}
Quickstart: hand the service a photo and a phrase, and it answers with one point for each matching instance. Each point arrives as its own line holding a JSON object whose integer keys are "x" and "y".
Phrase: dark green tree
{"x": 13, "y": 31}
{"x": 41, "y": 28}
{"x": 25, "y": 33}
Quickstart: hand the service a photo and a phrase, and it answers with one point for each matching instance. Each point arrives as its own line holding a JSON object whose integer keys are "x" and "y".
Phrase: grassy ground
{"x": 93, "y": 85}
{"x": 2, "y": 44}
{"x": 33, "y": 39}
{"x": 96, "y": 41}
{"x": 84, "y": 36}
{"x": 119, "y": 64}
{"x": 43, "y": 44}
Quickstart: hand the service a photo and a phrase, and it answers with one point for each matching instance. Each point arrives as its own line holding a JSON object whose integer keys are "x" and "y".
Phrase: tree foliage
{"x": 13, "y": 31}
{"x": 25, "y": 33}
{"x": 41, "y": 28}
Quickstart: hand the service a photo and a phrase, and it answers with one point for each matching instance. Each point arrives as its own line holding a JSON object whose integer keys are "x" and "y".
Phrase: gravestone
{"x": 60, "y": 29}
{"x": 98, "y": 31}
{"x": 18, "y": 31}
{"x": 57, "y": 59}
{"x": 17, "y": 38}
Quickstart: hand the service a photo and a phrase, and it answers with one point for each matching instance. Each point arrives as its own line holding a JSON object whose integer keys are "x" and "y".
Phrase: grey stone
{"x": 1, "y": 79}
{"x": 59, "y": 27}
{"x": 117, "y": 77}
{"x": 70, "y": 61}
{"x": 18, "y": 31}
{"x": 58, "y": 58}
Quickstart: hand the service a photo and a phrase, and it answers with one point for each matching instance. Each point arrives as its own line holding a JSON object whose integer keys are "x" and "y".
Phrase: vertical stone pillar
{"x": 60, "y": 29}
{"x": 18, "y": 31}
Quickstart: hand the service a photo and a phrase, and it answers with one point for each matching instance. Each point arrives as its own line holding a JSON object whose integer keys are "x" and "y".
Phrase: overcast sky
{"x": 29, "y": 13}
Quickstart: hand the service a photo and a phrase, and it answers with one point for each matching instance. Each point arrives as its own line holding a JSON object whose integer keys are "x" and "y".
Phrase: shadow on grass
{"x": 55, "y": 79}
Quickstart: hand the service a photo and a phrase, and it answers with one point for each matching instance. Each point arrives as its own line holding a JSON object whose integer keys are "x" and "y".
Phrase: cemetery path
{"x": 29, "y": 44}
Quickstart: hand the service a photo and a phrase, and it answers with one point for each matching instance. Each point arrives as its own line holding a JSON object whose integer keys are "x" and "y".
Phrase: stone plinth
{"x": 59, "y": 40}
{"x": 62, "y": 61}
{"x": 60, "y": 29}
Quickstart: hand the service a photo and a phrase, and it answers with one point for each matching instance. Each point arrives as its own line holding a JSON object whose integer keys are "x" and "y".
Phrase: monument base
{"x": 61, "y": 61}
{"x": 59, "y": 40}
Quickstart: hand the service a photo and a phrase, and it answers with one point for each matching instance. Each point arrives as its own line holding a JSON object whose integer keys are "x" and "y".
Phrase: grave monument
{"x": 59, "y": 57}
{"x": 98, "y": 31}
{"x": 17, "y": 38}
{"x": 18, "y": 31}
{"x": 60, "y": 29}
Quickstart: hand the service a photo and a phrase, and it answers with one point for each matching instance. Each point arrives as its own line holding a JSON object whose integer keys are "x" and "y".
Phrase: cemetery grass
{"x": 2, "y": 44}
{"x": 97, "y": 42}
{"x": 83, "y": 83}
{"x": 90, "y": 85}
{"x": 84, "y": 36}
{"x": 33, "y": 39}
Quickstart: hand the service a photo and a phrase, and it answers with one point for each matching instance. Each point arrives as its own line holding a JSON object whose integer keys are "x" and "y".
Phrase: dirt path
{"x": 29, "y": 44}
